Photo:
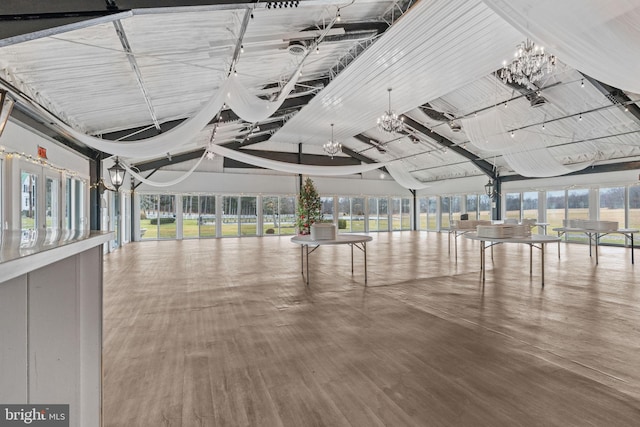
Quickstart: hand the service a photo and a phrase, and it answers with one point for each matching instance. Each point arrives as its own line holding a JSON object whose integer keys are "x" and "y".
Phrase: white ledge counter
{"x": 51, "y": 321}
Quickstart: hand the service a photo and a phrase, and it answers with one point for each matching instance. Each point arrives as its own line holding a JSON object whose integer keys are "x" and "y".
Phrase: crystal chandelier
{"x": 389, "y": 121}
{"x": 331, "y": 147}
{"x": 530, "y": 64}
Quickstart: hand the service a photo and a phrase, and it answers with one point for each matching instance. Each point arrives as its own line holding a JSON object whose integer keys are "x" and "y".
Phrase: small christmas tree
{"x": 309, "y": 207}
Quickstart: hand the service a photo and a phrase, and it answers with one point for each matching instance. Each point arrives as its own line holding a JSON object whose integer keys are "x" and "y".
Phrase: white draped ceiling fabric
{"x": 292, "y": 167}
{"x": 525, "y": 152}
{"x": 232, "y": 92}
{"x": 167, "y": 183}
{"x": 404, "y": 177}
{"x": 599, "y": 38}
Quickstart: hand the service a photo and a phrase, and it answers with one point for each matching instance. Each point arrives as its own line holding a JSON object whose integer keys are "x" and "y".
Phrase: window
{"x": 406, "y": 214}
{"x": 445, "y": 212}
{"x": 484, "y": 208}
{"x": 472, "y": 206}
{"x": 230, "y": 216}
{"x": 191, "y": 218}
{"x": 357, "y": 214}
{"x": 396, "y": 213}
{"x": 378, "y": 214}
{"x": 29, "y": 208}
{"x": 167, "y": 217}
{"x": 148, "y": 216}
{"x": 611, "y": 208}
{"x": 512, "y": 206}
{"x": 634, "y": 207}
{"x": 530, "y": 205}
{"x": 423, "y": 217}
{"x": 432, "y": 213}
{"x": 578, "y": 208}
{"x": 555, "y": 209}
{"x": 344, "y": 214}
{"x": 207, "y": 218}
{"x": 248, "y": 216}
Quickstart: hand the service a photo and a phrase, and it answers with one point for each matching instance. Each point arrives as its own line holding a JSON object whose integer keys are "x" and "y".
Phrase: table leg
{"x": 364, "y": 246}
{"x": 595, "y": 243}
{"x": 449, "y": 242}
{"x": 302, "y": 259}
{"x": 530, "y": 259}
{"x": 455, "y": 244}
{"x": 632, "y": 261}
{"x": 351, "y": 258}
{"x": 308, "y": 272}
{"x": 589, "y": 234}
{"x": 482, "y": 255}
{"x": 559, "y": 245}
{"x": 542, "y": 262}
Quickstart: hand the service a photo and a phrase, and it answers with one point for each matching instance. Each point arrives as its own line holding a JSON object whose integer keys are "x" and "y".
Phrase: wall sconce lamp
{"x": 488, "y": 188}
{"x": 116, "y": 173}
{"x": 6, "y": 105}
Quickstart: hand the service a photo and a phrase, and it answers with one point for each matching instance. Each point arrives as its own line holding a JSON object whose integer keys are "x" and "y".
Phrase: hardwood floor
{"x": 225, "y": 333}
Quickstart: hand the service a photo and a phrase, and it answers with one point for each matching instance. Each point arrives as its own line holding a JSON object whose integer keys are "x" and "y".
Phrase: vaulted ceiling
{"x": 127, "y": 70}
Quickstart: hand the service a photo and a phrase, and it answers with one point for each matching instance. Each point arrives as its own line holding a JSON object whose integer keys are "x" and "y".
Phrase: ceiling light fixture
{"x": 116, "y": 174}
{"x": 530, "y": 64}
{"x": 489, "y": 189}
{"x": 332, "y": 147}
{"x": 390, "y": 122}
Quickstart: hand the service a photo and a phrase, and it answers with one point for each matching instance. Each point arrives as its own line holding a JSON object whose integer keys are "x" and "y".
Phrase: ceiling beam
{"x": 483, "y": 165}
{"x": 166, "y": 161}
{"x": 617, "y": 97}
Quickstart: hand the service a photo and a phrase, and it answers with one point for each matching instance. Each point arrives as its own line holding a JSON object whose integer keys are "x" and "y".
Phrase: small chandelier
{"x": 331, "y": 147}
{"x": 389, "y": 121}
{"x": 530, "y": 64}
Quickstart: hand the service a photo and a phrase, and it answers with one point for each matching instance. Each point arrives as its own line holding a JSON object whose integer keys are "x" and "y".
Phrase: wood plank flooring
{"x": 224, "y": 332}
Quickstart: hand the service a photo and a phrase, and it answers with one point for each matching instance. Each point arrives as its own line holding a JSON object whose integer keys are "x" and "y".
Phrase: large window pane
{"x": 248, "y": 216}
{"x": 423, "y": 208}
{"x": 432, "y": 211}
{"x": 68, "y": 203}
{"x": 287, "y": 215}
{"x": 472, "y": 206}
{"x": 455, "y": 207}
{"x": 484, "y": 207}
{"x": 512, "y": 206}
{"x": 230, "y": 216}
{"x": 373, "y": 214}
{"x": 51, "y": 202}
{"x": 207, "y": 216}
{"x": 612, "y": 209}
{"x": 530, "y": 205}
{"x": 167, "y": 217}
{"x": 555, "y": 209}
{"x": 406, "y": 214}
{"x": 29, "y": 201}
{"x": 190, "y": 216}
{"x": 357, "y": 214}
{"x": 634, "y": 207}
{"x": 148, "y": 216}
{"x": 444, "y": 212}
{"x": 344, "y": 214}
{"x": 327, "y": 208}
{"x": 270, "y": 215}
{"x": 383, "y": 214}
{"x": 396, "y": 213}
{"x": 578, "y": 208}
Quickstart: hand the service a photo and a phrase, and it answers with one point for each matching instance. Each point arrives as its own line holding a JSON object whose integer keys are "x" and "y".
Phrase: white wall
{"x": 16, "y": 138}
